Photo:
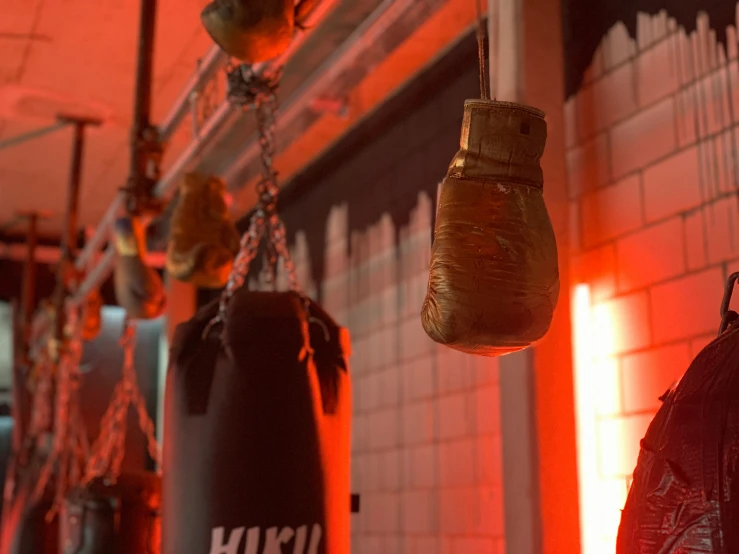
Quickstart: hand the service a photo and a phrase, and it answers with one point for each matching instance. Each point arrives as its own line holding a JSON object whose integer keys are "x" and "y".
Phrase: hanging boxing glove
{"x": 494, "y": 279}
{"x": 251, "y": 30}
{"x": 119, "y": 518}
{"x": 257, "y": 429}
{"x": 138, "y": 288}
{"x": 203, "y": 241}
{"x": 684, "y": 496}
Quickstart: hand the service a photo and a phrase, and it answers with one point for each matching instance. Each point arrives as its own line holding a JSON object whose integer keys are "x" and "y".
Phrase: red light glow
{"x": 605, "y": 446}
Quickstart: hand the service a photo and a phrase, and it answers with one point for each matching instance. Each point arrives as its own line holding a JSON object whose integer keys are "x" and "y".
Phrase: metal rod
{"x": 144, "y": 142}
{"x": 20, "y": 139}
{"x": 50, "y": 255}
{"x": 69, "y": 231}
{"x": 207, "y": 132}
{"x": 206, "y": 69}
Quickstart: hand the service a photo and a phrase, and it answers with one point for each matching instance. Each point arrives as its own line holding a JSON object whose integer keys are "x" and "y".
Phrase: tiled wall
{"x": 652, "y": 161}
{"x": 426, "y": 432}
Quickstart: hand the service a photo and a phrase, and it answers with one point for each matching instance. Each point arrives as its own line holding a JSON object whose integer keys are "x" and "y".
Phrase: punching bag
{"x": 684, "y": 496}
{"x": 203, "y": 241}
{"x": 251, "y": 30}
{"x": 24, "y": 526}
{"x": 494, "y": 278}
{"x": 138, "y": 288}
{"x": 256, "y": 446}
{"x": 120, "y": 518}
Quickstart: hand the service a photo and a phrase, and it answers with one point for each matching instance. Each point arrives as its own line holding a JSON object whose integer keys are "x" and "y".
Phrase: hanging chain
{"x": 109, "y": 449}
{"x": 259, "y": 92}
{"x": 70, "y": 448}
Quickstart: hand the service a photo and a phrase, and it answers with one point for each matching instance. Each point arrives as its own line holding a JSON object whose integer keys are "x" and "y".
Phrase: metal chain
{"x": 70, "y": 447}
{"x": 252, "y": 91}
{"x": 109, "y": 449}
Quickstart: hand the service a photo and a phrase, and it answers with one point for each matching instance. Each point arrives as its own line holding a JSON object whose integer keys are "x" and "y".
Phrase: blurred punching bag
{"x": 256, "y": 447}
{"x": 684, "y": 495}
{"x": 24, "y": 526}
{"x": 494, "y": 278}
{"x": 119, "y": 518}
{"x": 203, "y": 241}
{"x": 138, "y": 288}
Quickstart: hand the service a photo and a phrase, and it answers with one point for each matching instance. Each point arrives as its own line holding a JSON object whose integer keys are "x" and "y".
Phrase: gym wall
{"x": 651, "y": 115}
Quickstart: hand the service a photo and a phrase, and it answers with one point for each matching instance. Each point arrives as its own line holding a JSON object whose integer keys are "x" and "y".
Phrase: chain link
{"x": 70, "y": 447}
{"x": 109, "y": 449}
{"x": 259, "y": 92}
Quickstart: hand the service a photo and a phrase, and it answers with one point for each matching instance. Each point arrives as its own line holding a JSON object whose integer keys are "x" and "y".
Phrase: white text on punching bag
{"x": 273, "y": 540}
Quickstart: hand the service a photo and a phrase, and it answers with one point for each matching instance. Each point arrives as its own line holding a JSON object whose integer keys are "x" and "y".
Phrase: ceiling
{"x": 80, "y": 56}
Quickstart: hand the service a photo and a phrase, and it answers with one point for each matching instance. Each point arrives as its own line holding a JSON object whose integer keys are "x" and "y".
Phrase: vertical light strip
{"x": 586, "y": 419}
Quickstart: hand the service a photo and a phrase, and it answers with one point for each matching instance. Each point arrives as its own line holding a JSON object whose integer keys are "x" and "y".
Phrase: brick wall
{"x": 652, "y": 152}
{"x": 426, "y": 432}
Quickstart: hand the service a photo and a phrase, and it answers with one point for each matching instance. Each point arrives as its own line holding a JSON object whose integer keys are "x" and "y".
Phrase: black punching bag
{"x": 24, "y": 528}
{"x": 120, "y": 518}
{"x": 256, "y": 446}
{"x": 685, "y": 494}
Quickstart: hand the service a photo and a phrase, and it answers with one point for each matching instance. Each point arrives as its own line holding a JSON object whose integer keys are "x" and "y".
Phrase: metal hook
{"x": 728, "y": 316}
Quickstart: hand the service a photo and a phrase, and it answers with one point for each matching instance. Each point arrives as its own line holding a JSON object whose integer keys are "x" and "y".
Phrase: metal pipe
{"x": 20, "y": 139}
{"x": 142, "y": 99}
{"x": 207, "y": 132}
{"x": 69, "y": 231}
{"x": 50, "y": 255}
{"x": 22, "y": 335}
{"x": 205, "y": 71}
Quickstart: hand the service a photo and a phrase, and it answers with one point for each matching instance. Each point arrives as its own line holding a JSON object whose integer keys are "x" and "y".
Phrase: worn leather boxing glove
{"x": 203, "y": 240}
{"x": 251, "y": 30}
{"x": 494, "y": 278}
{"x": 138, "y": 288}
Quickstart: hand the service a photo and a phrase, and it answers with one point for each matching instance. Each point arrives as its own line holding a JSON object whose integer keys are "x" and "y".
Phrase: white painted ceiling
{"x": 80, "y": 56}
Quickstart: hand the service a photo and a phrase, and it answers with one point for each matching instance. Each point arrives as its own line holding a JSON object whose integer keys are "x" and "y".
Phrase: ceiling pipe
{"x": 37, "y": 133}
{"x": 50, "y": 255}
{"x": 104, "y": 265}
